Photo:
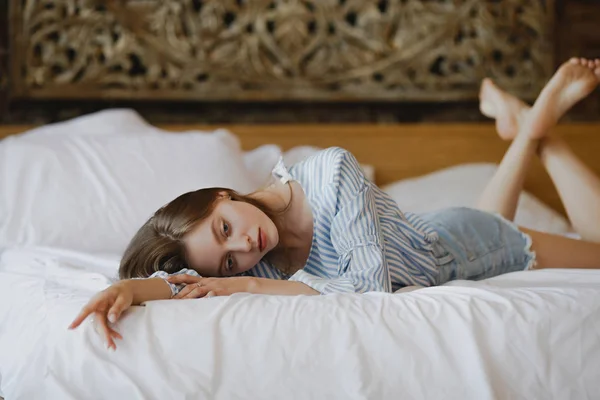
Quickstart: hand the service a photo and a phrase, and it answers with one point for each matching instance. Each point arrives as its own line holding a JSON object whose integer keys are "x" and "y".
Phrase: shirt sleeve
{"x": 355, "y": 233}
{"x": 164, "y": 275}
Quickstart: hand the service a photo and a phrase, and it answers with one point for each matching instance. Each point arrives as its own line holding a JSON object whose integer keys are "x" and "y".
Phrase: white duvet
{"x": 526, "y": 335}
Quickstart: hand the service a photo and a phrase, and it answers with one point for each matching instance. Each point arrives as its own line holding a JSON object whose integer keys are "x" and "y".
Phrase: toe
{"x": 486, "y": 85}
{"x": 574, "y": 60}
{"x": 487, "y": 108}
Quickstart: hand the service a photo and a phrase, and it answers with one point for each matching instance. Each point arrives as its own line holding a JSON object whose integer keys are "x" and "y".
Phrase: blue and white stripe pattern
{"x": 362, "y": 241}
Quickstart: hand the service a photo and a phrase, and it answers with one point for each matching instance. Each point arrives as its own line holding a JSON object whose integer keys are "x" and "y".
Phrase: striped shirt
{"x": 361, "y": 240}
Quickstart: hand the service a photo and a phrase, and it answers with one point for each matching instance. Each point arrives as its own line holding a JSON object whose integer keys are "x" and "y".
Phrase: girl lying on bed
{"x": 323, "y": 228}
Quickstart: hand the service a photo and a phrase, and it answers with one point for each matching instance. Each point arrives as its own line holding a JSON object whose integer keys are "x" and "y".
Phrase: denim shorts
{"x": 476, "y": 245}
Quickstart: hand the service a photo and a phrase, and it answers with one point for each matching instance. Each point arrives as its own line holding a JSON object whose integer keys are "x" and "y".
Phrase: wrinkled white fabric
{"x": 523, "y": 335}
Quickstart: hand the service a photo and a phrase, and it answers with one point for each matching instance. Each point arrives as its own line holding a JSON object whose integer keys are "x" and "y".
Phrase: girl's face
{"x": 233, "y": 239}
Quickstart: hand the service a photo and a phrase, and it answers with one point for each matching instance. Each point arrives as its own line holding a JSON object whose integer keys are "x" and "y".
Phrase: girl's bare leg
{"x": 574, "y": 80}
{"x": 501, "y": 195}
{"x": 555, "y": 251}
{"x": 578, "y": 186}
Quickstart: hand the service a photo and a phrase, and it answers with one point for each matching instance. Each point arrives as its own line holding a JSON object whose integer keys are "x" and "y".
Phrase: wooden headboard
{"x": 277, "y": 50}
{"x": 403, "y": 151}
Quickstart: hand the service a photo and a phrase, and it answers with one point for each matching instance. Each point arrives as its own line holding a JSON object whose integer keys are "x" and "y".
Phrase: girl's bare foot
{"x": 573, "y": 81}
{"x": 508, "y": 110}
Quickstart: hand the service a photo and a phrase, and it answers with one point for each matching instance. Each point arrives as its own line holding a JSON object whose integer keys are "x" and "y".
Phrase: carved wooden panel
{"x": 278, "y": 49}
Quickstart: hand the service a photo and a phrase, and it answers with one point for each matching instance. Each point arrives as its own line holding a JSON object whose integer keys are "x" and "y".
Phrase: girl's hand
{"x": 197, "y": 287}
{"x": 107, "y": 305}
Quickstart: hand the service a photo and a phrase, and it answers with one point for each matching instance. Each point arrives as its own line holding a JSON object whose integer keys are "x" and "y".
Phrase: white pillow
{"x": 91, "y": 192}
{"x": 88, "y": 183}
{"x": 261, "y": 160}
{"x": 461, "y": 186}
{"x": 116, "y": 121}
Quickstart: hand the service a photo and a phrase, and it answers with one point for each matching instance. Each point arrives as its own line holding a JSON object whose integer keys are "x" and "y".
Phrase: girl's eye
{"x": 226, "y": 228}
{"x": 229, "y": 262}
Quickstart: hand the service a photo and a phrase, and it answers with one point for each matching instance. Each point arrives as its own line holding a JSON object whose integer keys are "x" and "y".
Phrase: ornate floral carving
{"x": 280, "y": 49}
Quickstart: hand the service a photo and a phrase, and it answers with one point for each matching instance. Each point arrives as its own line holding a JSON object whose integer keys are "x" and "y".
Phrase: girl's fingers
{"x": 184, "y": 278}
{"x": 83, "y": 314}
{"x": 107, "y": 331}
{"x": 115, "y": 333}
{"x": 115, "y": 311}
{"x": 183, "y": 292}
{"x": 197, "y": 292}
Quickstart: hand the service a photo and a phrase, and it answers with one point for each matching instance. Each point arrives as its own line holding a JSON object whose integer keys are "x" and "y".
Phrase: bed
{"x": 523, "y": 335}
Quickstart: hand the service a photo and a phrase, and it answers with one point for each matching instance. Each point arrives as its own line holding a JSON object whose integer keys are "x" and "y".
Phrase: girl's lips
{"x": 262, "y": 240}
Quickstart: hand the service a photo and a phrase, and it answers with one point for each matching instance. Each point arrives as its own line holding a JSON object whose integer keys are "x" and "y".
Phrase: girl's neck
{"x": 294, "y": 224}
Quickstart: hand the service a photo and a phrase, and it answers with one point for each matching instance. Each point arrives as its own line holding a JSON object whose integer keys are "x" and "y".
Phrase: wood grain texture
{"x": 576, "y": 33}
{"x": 404, "y": 151}
{"x": 259, "y": 50}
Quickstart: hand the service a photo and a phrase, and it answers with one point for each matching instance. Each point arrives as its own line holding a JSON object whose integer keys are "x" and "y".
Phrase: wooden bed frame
{"x": 403, "y": 151}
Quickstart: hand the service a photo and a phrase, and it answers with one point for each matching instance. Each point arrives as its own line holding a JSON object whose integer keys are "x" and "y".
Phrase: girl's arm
{"x": 147, "y": 289}
{"x": 277, "y": 287}
{"x": 207, "y": 287}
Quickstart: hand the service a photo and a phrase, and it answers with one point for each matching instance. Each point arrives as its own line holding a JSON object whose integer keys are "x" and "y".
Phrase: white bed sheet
{"x": 527, "y": 335}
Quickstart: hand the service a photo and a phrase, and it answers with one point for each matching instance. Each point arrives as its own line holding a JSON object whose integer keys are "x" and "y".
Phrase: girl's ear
{"x": 224, "y": 195}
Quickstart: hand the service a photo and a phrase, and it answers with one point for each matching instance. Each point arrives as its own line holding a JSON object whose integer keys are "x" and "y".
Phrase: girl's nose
{"x": 241, "y": 243}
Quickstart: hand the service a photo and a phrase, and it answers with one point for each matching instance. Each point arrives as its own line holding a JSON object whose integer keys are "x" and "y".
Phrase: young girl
{"x": 324, "y": 228}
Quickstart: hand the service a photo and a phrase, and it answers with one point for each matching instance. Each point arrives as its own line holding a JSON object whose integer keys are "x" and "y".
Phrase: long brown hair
{"x": 158, "y": 245}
